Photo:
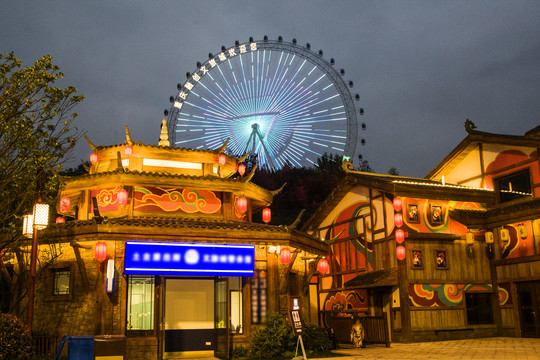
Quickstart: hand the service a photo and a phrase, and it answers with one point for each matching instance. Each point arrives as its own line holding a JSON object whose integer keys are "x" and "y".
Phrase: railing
{"x": 45, "y": 344}
{"x": 375, "y": 329}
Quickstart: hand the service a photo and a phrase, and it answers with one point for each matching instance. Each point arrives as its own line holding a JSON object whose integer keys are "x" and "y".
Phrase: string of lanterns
{"x": 399, "y": 233}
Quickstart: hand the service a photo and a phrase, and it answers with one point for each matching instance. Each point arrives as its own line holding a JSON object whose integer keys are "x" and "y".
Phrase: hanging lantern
{"x": 28, "y": 226}
{"x": 241, "y": 204}
{"x": 222, "y": 159}
{"x": 400, "y": 236}
{"x": 285, "y": 256}
{"x": 400, "y": 252}
{"x": 93, "y": 158}
{"x": 398, "y": 219}
{"x": 65, "y": 203}
{"x": 241, "y": 169}
{"x": 469, "y": 238}
{"x": 266, "y": 215}
{"x": 60, "y": 220}
{"x": 523, "y": 233}
{"x": 322, "y": 266}
{"x": 397, "y": 204}
{"x": 505, "y": 235}
{"x": 101, "y": 250}
{"x": 41, "y": 216}
{"x": 128, "y": 151}
{"x": 489, "y": 237}
{"x": 122, "y": 197}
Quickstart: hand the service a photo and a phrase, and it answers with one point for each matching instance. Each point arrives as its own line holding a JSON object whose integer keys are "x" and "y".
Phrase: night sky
{"x": 421, "y": 67}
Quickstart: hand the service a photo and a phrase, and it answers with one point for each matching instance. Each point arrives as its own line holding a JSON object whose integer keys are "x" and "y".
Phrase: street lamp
{"x": 32, "y": 223}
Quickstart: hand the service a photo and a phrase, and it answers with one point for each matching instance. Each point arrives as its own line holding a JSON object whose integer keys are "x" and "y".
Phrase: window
{"x": 140, "y": 307}
{"x": 479, "y": 308}
{"x": 61, "y": 281}
{"x": 258, "y": 296}
{"x": 237, "y": 318}
{"x": 516, "y": 182}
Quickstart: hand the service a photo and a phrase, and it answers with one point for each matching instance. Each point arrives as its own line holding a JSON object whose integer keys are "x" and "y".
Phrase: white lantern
{"x": 489, "y": 237}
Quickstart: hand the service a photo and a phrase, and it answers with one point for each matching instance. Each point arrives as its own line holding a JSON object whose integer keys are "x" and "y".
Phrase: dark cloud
{"x": 420, "y": 67}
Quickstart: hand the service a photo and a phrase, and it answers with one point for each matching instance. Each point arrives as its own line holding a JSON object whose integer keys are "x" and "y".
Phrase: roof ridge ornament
{"x": 129, "y": 141}
{"x": 164, "y": 136}
{"x": 469, "y": 126}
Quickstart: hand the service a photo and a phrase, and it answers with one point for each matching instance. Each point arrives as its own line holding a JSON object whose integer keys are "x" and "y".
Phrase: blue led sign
{"x": 159, "y": 258}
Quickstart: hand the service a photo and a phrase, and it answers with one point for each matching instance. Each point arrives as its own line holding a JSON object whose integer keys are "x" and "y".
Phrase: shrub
{"x": 239, "y": 352}
{"x": 15, "y": 342}
{"x": 273, "y": 339}
{"x": 316, "y": 339}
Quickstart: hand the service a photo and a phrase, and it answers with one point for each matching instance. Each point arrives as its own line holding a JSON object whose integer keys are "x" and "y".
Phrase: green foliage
{"x": 239, "y": 352}
{"x": 276, "y": 339}
{"x": 15, "y": 342}
{"x": 36, "y": 132}
{"x": 271, "y": 340}
{"x": 316, "y": 339}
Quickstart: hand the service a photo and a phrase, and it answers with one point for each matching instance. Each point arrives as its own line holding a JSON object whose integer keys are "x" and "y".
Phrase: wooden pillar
{"x": 405, "y": 309}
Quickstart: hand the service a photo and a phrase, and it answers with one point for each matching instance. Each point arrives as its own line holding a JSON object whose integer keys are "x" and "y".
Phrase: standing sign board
{"x": 297, "y": 325}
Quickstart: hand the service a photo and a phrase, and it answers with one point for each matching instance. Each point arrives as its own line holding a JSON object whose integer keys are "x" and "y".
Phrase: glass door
{"x": 221, "y": 313}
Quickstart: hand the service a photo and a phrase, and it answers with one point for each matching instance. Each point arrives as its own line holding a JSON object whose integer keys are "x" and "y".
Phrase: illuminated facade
{"x": 469, "y": 233}
{"x": 157, "y": 246}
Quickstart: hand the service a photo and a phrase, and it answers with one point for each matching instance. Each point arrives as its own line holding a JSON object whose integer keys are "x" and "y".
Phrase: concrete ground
{"x": 487, "y": 348}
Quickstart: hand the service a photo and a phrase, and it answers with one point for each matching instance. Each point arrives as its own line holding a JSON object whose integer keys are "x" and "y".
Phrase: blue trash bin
{"x": 79, "y": 347}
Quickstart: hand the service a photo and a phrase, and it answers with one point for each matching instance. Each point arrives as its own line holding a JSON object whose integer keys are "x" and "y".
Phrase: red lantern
{"x": 65, "y": 203}
{"x": 241, "y": 204}
{"x": 400, "y": 236}
{"x": 128, "y": 150}
{"x": 101, "y": 250}
{"x": 397, "y": 204}
{"x": 398, "y": 220}
{"x": 60, "y": 220}
{"x": 400, "y": 252}
{"x": 93, "y": 158}
{"x": 285, "y": 256}
{"x": 122, "y": 196}
{"x": 266, "y": 215}
{"x": 222, "y": 159}
{"x": 322, "y": 266}
{"x": 241, "y": 169}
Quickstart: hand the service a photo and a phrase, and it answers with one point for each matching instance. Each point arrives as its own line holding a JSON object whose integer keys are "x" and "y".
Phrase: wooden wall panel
{"x": 437, "y": 319}
{"x": 507, "y": 316}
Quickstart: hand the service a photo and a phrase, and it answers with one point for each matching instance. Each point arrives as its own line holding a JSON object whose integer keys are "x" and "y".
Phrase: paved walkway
{"x": 488, "y": 348}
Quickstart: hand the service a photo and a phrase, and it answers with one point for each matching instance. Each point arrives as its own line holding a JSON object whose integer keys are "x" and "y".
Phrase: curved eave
{"x": 182, "y": 230}
{"x": 131, "y": 178}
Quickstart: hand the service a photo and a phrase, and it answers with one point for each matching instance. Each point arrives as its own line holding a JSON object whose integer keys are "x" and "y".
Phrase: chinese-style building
{"x": 453, "y": 255}
{"x": 158, "y": 245}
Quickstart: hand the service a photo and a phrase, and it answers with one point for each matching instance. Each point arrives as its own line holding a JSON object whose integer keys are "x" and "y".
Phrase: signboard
{"x": 296, "y": 322}
{"x": 164, "y": 258}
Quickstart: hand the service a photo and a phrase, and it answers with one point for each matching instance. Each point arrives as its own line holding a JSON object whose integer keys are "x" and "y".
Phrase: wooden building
{"x": 156, "y": 246}
{"x": 453, "y": 255}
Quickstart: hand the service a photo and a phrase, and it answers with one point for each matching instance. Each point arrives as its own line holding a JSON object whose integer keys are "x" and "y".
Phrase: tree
{"x": 393, "y": 171}
{"x": 36, "y": 136}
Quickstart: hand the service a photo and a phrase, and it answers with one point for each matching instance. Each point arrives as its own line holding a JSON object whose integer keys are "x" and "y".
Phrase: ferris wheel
{"x": 272, "y": 98}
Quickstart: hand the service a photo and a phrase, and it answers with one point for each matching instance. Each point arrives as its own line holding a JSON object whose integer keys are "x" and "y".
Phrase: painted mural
{"x": 160, "y": 199}
{"x": 359, "y": 248}
{"x": 433, "y": 295}
{"x": 107, "y": 199}
{"x": 520, "y": 241}
{"x": 345, "y": 302}
{"x": 432, "y": 216}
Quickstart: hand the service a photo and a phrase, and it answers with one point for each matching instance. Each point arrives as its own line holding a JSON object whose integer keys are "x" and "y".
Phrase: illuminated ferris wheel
{"x": 275, "y": 99}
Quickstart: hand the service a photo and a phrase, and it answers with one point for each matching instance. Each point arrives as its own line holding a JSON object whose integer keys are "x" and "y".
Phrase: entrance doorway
{"x": 196, "y": 318}
{"x": 529, "y": 305}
